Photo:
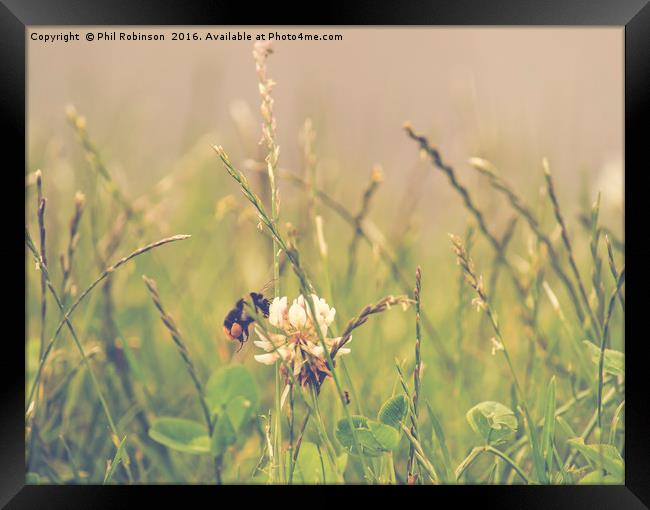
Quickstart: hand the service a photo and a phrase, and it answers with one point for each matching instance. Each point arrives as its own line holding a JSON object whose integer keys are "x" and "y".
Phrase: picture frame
{"x": 632, "y": 16}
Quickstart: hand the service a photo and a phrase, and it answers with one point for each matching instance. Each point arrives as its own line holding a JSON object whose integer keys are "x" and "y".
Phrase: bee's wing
{"x": 267, "y": 286}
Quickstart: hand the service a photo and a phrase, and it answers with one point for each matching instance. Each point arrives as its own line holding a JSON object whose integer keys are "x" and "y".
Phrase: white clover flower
{"x": 296, "y": 341}
{"x": 278, "y": 312}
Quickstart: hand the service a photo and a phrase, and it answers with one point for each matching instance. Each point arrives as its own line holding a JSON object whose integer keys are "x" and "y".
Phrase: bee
{"x": 238, "y": 320}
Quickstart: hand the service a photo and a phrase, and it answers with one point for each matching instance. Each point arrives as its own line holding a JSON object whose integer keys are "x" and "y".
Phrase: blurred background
{"x": 152, "y": 108}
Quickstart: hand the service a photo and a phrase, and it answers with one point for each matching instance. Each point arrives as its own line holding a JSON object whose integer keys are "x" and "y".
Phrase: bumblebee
{"x": 237, "y": 320}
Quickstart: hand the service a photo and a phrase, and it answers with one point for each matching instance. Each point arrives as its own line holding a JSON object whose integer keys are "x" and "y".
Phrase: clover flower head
{"x": 296, "y": 341}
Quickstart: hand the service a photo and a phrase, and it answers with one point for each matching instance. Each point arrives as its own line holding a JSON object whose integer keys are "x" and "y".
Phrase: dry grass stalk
{"x": 261, "y": 52}
{"x": 79, "y": 124}
{"x": 376, "y": 178}
{"x": 489, "y": 171}
{"x": 499, "y": 246}
{"x": 437, "y": 161}
{"x": 614, "y": 270}
{"x": 567, "y": 242}
{"x": 67, "y": 258}
{"x": 180, "y": 344}
{"x": 603, "y": 344}
{"x": 382, "y": 305}
{"x": 417, "y": 369}
{"x": 41, "y": 202}
{"x": 596, "y": 274}
{"x": 617, "y": 244}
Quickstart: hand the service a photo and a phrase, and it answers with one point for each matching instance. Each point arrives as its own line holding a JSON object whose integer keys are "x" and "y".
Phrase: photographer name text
{"x": 188, "y": 36}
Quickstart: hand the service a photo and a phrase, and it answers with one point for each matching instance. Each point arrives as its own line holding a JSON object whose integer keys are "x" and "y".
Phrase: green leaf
{"x": 598, "y": 478}
{"x": 548, "y": 433}
{"x": 566, "y": 428}
{"x": 393, "y": 411}
{"x": 238, "y": 410}
{"x": 313, "y": 466}
{"x": 386, "y": 436}
{"x": 110, "y": 471}
{"x": 223, "y": 436}
{"x": 232, "y": 390}
{"x": 613, "y": 362}
{"x": 374, "y": 438}
{"x": 615, "y": 421}
{"x": 493, "y": 421}
{"x": 601, "y": 454}
{"x": 180, "y": 434}
{"x": 440, "y": 435}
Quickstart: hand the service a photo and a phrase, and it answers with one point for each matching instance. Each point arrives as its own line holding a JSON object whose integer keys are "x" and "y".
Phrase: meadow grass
{"x": 529, "y": 390}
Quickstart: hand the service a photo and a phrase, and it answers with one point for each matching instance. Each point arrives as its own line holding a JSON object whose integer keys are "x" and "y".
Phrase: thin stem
{"x": 614, "y": 270}
{"x": 603, "y": 344}
{"x": 476, "y": 451}
{"x": 66, "y": 260}
{"x": 418, "y": 366}
{"x": 42, "y": 251}
{"x": 181, "y": 346}
{"x": 375, "y": 180}
{"x": 567, "y": 243}
{"x": 298, "y": 443}
{"x": 419, "y": 454}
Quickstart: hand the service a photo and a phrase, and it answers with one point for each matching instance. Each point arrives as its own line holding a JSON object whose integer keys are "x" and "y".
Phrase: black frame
{"x": 634, "y": 15}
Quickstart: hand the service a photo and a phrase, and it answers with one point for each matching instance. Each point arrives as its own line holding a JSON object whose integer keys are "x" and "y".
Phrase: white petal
{"x": 263, "y": 344}
{"x": 343, "y": 350}
{"x": 277, "y": 311}
{"x": 267, "y": 359}
{"x": 323, "y": 328}
{"x": 285, "y": 352}
{"x": 297, "y": 316}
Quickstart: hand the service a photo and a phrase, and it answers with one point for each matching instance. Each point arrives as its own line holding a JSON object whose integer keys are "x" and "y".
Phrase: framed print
{"x": 384, "y": 250}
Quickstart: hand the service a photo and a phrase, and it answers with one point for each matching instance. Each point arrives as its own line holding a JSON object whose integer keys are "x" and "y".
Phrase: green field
{"x": 501, "y": 362}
